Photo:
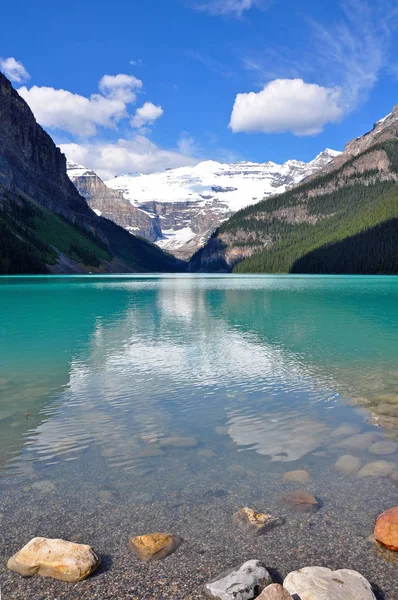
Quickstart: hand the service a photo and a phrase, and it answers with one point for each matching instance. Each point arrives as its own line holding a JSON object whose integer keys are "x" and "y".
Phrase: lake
{"x": 132, "y": 404}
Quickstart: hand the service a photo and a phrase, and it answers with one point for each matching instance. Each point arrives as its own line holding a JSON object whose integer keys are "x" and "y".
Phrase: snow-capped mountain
{"x": 185, "y": 205}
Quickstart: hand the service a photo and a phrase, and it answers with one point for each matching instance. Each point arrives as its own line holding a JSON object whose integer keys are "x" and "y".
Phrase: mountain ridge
{"x": 351, "y": 196}
{"x": 180, "y": 208}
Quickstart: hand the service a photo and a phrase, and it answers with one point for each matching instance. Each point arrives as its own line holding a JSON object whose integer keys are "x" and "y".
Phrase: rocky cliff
{"x": 111, "y": 203}
{"x": 36, "y": 195}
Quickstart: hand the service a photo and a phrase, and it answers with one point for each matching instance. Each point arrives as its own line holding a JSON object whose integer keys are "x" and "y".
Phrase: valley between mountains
{"x": 335, "y": 214}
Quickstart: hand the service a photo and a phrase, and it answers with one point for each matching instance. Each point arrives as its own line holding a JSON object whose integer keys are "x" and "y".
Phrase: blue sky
{"x": 201, "y": 79}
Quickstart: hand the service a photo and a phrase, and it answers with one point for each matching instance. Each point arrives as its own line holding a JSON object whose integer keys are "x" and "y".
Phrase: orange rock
{"x": 386, "y": 529}
{"x": 154, "y": 546}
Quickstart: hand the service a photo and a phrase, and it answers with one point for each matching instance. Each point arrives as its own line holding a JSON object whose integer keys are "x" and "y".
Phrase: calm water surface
{"x": 97, "y": 373}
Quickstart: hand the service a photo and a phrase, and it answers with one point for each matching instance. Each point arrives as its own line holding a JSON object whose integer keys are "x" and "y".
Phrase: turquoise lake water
{"x": 101, "y": 377}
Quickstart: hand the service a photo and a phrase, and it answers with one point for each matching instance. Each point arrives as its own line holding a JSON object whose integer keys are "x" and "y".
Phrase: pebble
{"x": 58, "y": 559}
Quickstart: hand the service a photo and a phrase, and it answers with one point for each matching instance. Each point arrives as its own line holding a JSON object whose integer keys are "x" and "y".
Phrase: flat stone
{"x": 274, "y": 592}
{"x": 386, "y": 529}
{"x": 300, "y": 501}
{"x": 383, "y": 447}
{"x": 345, "y": 429}
{"x": 255, "y": 523}
{"x": 155, "y": 546}
{"x": 361, "y": 441}
{"x": 151, "y": 450}
{"x": 178, "y": 442}
{"x": 206, "y": 453}
{"x": 378, "y": 468}
{"x": 244, "y": 582}
{"x": 236, "y": 469}
{"x": 300, "y": 476}
{"x": 320, "y": 583}
{"x": 58, "y": 559}
{"x": 348, "y": 464}
{"x": 44, "y": 486}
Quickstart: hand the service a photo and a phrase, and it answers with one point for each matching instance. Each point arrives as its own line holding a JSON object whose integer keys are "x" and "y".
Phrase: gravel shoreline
{"x": 336, "y": 536}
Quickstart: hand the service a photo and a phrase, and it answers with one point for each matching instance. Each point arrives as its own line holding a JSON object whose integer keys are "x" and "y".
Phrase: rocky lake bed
{"x": 207, "y": 411}
{"x": 197, "y": 497}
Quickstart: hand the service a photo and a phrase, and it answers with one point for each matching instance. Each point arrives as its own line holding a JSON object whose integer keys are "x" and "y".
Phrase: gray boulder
{"x": 244, "y": 582}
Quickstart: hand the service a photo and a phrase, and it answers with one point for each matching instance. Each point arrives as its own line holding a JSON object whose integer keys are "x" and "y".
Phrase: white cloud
{"x": 79, "y": 115}
{"x": 229, "y": 7}
{"x": 287, "y": 105}
{"x": 348, "y": 54}
{"x": 146, "y": 115}
{"x": 138, "y": 154}
{"x": 13, "y": 69}
{"x": 120, "y": 87}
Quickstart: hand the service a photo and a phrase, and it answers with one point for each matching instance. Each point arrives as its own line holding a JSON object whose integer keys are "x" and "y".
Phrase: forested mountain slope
{"x": 45, "y": 225}
{"x": 343, "y": 220}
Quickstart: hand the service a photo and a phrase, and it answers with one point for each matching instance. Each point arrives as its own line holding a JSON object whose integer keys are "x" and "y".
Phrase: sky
{"x": 142, "y": 86}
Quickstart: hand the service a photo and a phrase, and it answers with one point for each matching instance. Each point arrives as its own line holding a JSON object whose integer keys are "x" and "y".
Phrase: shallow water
{"x": 96, "y": 373}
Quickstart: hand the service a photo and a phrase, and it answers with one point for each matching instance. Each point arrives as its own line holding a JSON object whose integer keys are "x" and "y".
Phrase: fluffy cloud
{"x": 13, "y": 69}
{"x": 146, "y": 115}
{"x": 126, "y": 156}
{"x": 229, "y": 7}
{"x": 287, "y": 105}
{"x": 78, "y": 115}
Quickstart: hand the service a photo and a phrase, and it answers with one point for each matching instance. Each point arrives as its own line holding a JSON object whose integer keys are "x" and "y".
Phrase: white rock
{"x": 241, "y": 583}
{"x": 320, "y": 583}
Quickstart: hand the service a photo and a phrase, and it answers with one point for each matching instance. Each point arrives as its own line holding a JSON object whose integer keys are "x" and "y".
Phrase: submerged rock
{"x": 345, "y": 429}
{"x": 206, "y": 453}
{"x": 58, "y": 559}
{"x": 319, "y": 583}
{"x": 44, "y": 486}
{"x": 151, "y": 450}
{"x": 361, "y": 441}
{"x": 178, "y": 442}
{"x": 240, "y": 583}
{"x": 274, "y": 592}
{"x": 378, "y": 468}
{"x": 283, "y": 441}
{"x": 299, "y": 476}
{"x": 300, "y": 501}
{"x": 383, "y": 447}
{"x": 155, "y": 546}
{"x": 255, "y": 523}
{"x": 348, "y": 464}
{"x": 386, "y": 529}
